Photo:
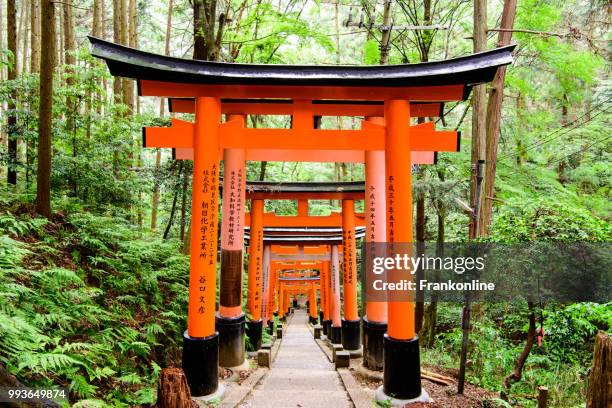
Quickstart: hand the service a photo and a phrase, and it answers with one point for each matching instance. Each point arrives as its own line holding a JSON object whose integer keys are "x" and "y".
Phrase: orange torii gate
{"x": 290, "y": 276}
{"x": 337, "y": 329}
{"x": 277, "y": 267}
{"x": 396, "y": 86}
{"x": 287, "y": 287}
{"x": 344, "y": 330}
{"x": 321, "y": 253}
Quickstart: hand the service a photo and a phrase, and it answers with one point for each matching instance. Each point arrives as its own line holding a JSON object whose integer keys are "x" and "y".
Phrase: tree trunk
{"x": 11, "y": 36}
{"x": 479, "y": 114}
{"x": 522, "y": 358}
{"x": 173, "y": 390}
{"x": 205, "y": 45}
{"x": 493, "y": 121}
{"x": 187, "y": 241}
{"x": 184, "y": 204}
{"x": 431, "y": 313}
{"x": 35, "y": 36}
{"x": 47, "y": 64}
{"x": 478, "y": 154}
{"x": 386, "y": 34}
{"x": 126, "y": 85}
{"x": 98, "y": 31}
{"x": 174, "y": 200}
{"x": 69, "y": 62}
{"x": 2, "y": 106}
{"x": 98, "y": 19}
{"x": 599, "y": 394}
{"x": 129, "y": 25}
{"x": 25, "y": 22}
{"x": 155, "y": 199}
{"x": 117, "y": 18}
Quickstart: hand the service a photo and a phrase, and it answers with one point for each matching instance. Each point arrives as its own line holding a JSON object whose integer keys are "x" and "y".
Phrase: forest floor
{"x": 443, "y": 396}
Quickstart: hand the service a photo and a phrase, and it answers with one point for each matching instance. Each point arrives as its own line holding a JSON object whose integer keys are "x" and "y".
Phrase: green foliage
{"x": 267, "y": 35}
{"x": 544, "y": 221}
{"x": 570, "y": 330}
{"x": 498, "y": 336}
{"x": 371, "y": 53}
{"x": 99, "y": 325}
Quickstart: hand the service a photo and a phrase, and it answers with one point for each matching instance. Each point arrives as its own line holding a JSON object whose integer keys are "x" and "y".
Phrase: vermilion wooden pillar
{"x": 336, "y": 328}
{"x": 274, "y": 289}
{"x": 351, "y": 339}
{"x": 402, "y": 373}
{"x": 265, "y": 298}
{"x": 254, "y": 327}
{"x": 375, "y": 319}
{"x": 231, "y": 319}
{"x": 201, "y": 342}
{"x": 286, "y": 300}
{"x": 312, "y": 302}
{"x": 282, "y": 295}
{"x": 326, "y": 291}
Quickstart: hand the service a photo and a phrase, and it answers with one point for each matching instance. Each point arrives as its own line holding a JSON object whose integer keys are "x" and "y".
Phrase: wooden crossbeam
{"x": 319, "y": 108}
{"x": 233, "y": 135}
{"x": 318, "y": 156}
{"x": 332, "y": 220}
{"x": 440, "y": 93}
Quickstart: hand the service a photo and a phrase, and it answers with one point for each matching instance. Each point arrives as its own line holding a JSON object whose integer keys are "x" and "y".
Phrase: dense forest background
{"x": 93, "y": 276}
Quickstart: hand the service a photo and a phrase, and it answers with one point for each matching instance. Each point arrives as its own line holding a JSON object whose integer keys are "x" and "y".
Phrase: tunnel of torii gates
{"x": 385, "y": 96}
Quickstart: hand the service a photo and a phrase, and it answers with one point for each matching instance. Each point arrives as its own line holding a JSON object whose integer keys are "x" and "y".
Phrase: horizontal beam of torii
{"x": 315, "y": 156}
{"x": 300, "y": 253}
{"x": 319, "y": 108}
{"x": 234, "y": 135}
{"x": 332, "y": 220}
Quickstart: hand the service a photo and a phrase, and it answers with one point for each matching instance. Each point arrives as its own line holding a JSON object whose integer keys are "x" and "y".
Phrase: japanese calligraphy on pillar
{"x": 391, "y": 209}
{"x": 265, "y": 289}
{"x": 347, "y": 248}
{"x": 258, "y": 279}
{"x": 208, "y": 218}
{"x": 372, "y": 213}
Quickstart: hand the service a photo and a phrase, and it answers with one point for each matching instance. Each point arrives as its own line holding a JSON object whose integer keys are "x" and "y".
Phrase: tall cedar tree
{"x": 35, "y": 36}
{"x": 47, "y": 65}
{"x": 494, "y": 104}
{"x": 11, "y": 36}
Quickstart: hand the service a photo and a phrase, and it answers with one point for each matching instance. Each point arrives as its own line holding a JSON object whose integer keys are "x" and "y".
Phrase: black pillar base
{"x": 254, "y": 330}
{"x": 402, "y": 368}
{"x": 373, "y": 344}
{"x": 336, "y": 335}
{"x": 326, "y": 327}
{"x": 312, "y": 320}
{"x": 231, "y": 340}
{"x": 295, "y": 303}
{"x": 351, "y": 334}
{"x": 270, "y": 327}
{"x": 201, "y": 363}
{"x": 320, "y": 318}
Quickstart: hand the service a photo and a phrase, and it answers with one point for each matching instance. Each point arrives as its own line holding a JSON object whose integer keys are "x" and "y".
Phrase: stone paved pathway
{"x": 301, "y": 375}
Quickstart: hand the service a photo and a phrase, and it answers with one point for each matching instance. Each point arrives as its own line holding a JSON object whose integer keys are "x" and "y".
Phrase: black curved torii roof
{"x": 140, "y": 65}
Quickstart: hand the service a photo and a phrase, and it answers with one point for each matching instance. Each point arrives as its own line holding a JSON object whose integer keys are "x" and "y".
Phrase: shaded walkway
{"x": 301, "y": 375}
